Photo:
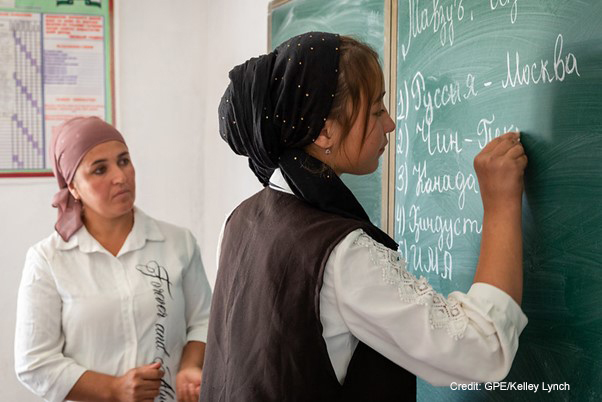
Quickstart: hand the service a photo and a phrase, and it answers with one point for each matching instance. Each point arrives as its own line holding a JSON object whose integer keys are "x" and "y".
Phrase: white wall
{"x": 239, "y": 34}
{"x": 172, "y": 64}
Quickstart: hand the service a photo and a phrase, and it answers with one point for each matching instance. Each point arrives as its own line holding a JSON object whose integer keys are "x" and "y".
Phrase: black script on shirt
{"x": 160, "y": 282}
{"x": 153, "y": 270}
{"x": 165, "y": 390}
{"x": 160, "y": 277}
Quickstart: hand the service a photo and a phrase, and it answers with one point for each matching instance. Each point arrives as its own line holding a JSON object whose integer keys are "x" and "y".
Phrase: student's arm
{"x": 500, "y": 168}
{"x": 462, "y": 338}
{"x": 465, "y": 337}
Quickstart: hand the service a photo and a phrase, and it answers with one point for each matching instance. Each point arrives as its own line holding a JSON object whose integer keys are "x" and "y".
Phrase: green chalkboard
{"x": 362, "y": 19}
{"x": 469, "y": 71}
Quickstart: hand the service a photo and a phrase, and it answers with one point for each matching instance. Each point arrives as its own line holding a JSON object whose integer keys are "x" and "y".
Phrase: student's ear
{"x": 326, "y": 138}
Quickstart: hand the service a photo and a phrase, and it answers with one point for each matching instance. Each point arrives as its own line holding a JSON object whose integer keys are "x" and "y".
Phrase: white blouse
{"x": 368, "y": 295}
{"x": 81, "y": 308}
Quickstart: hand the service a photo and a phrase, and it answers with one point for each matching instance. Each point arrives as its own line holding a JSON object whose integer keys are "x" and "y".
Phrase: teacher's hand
{"x": 138, "y": 384}
{"x": 188, "y": 384}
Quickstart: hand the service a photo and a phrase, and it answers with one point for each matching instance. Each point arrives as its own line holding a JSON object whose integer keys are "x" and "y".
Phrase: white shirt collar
{"x": 278, "y": 183}
{"x": 144, "y": 229}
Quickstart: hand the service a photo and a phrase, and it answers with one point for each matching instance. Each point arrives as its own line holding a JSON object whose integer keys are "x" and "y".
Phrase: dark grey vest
{"x": 265, "y": 337}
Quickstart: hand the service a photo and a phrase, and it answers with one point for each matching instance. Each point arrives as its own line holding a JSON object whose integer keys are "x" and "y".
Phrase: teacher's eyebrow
{"x": 121, "y": 155}
{"x": 98, "y": 161}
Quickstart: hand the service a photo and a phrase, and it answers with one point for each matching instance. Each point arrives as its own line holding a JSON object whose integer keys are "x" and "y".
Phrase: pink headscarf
{"x": 69, "y": 145}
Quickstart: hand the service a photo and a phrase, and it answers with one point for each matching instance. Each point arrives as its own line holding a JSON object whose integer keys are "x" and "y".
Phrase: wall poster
{"x": 56, "y": 62}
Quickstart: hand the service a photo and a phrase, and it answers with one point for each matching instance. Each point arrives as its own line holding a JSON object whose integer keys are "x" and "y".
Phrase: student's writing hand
{"x": 188, "y": 384}
{"x": 138, "y": 384}
{"x": 500, "y": 168}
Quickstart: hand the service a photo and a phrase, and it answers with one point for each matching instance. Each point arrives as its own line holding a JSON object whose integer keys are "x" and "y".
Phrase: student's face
{"x": 105, "y": 181}
{"x": 360, "y": 151}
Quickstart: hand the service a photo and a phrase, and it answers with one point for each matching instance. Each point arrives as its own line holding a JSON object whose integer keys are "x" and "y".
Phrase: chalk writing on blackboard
{"x": 436, "y": 17}
{"x": 543, "y": 72}
{"x": 433, "y": 156}
{"x": 501, "y": 4}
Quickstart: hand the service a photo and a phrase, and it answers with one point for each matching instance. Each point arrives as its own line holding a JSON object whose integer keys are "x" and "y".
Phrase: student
{"x": 312, "y": 301}
{"x": 113, "y": 305}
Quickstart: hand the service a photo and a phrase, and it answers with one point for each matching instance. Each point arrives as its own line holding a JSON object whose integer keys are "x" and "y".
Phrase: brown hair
{"x": 360, "y": 77}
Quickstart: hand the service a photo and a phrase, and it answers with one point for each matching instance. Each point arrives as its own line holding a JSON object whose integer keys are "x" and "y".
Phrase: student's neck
{"x": 318, "y": 153}
{"x": 110, "y": 233}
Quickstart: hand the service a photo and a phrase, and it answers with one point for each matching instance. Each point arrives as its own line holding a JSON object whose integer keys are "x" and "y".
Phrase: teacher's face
{"x": 105, "y": 181}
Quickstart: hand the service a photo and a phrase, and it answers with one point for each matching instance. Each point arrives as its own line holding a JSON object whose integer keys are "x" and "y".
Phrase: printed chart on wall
{"x": 468, "y": 71}
{"x": 55, "y": 64}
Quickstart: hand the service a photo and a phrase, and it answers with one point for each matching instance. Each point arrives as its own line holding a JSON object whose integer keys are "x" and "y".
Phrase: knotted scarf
{"x": 69, "y": 145}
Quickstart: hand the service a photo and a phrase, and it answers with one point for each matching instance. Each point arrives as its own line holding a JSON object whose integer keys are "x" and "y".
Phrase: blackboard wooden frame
{"x": 274, "y": 4}
{"x": 390, "y": 72}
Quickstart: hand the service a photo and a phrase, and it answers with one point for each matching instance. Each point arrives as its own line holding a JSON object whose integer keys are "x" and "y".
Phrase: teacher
{"x": 114, "y": 304}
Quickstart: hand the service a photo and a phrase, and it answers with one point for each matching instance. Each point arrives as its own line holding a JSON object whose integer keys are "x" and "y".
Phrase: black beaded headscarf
{"x": 275, "y": 105}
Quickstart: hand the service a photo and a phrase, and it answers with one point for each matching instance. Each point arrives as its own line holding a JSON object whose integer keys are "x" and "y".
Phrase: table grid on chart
{"x": 24, "y": 140}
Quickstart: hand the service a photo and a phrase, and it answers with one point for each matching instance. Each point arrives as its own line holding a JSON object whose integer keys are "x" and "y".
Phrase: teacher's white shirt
{"x": 368, "y": 295}
{"x": 81, "y": 308}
